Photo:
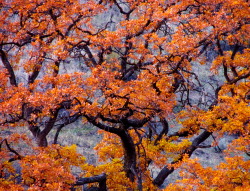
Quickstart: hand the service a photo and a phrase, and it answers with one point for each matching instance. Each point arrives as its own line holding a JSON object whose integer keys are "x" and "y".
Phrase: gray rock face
{"x": 225, "y": 141}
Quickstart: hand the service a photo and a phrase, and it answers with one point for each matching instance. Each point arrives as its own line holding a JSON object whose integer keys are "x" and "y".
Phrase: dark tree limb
{"x": 164, "y": 130}
{"x": 71, "y": 119}
{"x": 166, "y": 171}
{"x": 122, "y": 10}
{"x": 225, "y": 72}
{"x": 57, "y": 133}
{"x": 243, "y": 76}
{"x": 101, "y": 179}
{"x": 127, "y": 143}
{"x": 102, "y": 126}
{"x": 36, "y": 71}
{"x": 129, "y": 154}
{"x": 9, "y": 68}
{"x": 135, "y": 122}
{"x": 41, "y": 137}
{"x": 17, "y": 155}
{"x": 90, "y": 55}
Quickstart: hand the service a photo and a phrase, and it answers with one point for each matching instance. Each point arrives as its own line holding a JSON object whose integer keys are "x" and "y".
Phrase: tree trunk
{"x": 42, "y": 141}
{"x": 129, "y": 154}
{"x": 127, "y": 143}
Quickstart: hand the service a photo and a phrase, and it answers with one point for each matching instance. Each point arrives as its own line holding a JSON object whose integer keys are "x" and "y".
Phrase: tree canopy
{"x": 129, "y": 68}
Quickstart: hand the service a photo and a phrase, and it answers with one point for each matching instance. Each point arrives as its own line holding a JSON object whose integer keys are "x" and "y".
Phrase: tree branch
{"x": 17, "y": 157}
{"x": 166, "y": 171}
{"x": 101, "y": 179}
{"x": 8, "y": 66}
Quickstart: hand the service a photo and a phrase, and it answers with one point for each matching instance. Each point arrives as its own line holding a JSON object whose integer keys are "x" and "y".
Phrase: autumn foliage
{"x": 157, "y": 78}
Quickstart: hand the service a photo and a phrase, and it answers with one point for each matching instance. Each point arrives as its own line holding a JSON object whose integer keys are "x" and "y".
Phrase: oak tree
{"x": 129, "y": 68}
